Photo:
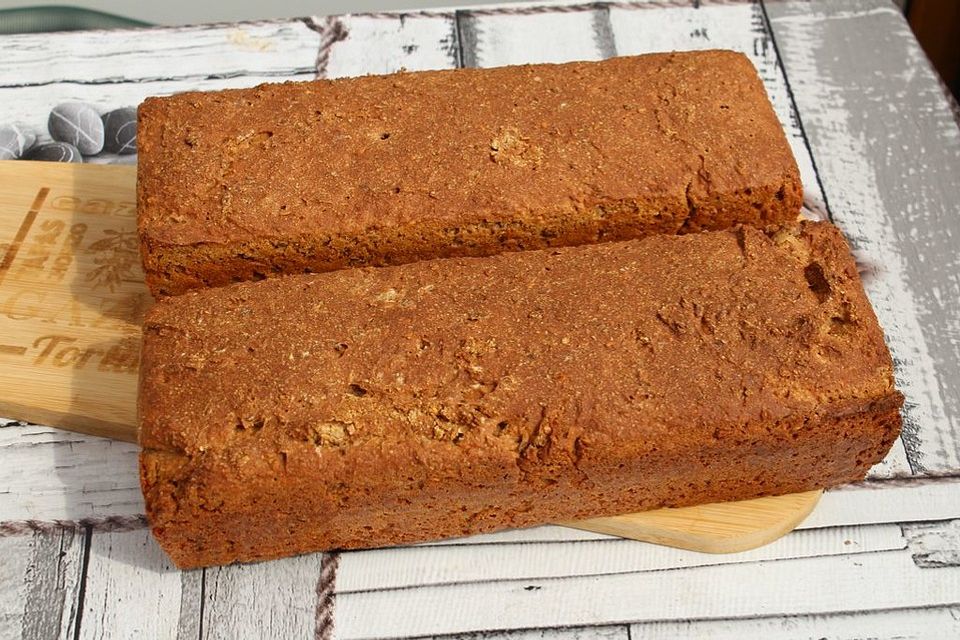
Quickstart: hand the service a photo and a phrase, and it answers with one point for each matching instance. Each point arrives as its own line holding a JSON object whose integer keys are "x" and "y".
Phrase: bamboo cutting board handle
{"x": 724, "y": 527}
{"x": 72, "y": 299}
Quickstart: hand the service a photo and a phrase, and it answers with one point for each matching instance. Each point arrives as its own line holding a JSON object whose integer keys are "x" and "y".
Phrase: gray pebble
{"x": 55, "y": 152}
{"x": 120, "y": 131}
{"x": 15, "y": 140}
{"x": 78, "y": 124}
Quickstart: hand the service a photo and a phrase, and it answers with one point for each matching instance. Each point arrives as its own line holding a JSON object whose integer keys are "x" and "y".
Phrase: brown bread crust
{"x": 316, "y": 176}
{"x": 371, "y": 407}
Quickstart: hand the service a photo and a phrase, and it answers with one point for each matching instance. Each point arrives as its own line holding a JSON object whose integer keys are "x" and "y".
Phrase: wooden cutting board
{"x": 72, "y": 299}
{"x": 71, "y": 296}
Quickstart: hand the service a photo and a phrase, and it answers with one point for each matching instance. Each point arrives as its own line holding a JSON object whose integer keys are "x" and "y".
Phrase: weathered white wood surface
{"x": 417, "y": 566}
{"x": 40, "y": 578}
{"x": 293, "y": 610}
{"x": 879, "y": 560}
{"x": 377, "y": 45}
{"x": 498, "y": 40}
{"x": 127, "y": 571}
{"x": 284, "y": 592}
{"x": 933, "y": 623}
{"x": 119, "y": 57}
{"x": 891, "y": 501}
{"x": 829, "y": 584}
{"x": 935, "y": 544}
{"x": 48, "y": 474}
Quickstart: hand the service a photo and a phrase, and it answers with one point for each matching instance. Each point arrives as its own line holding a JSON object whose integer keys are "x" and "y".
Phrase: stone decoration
{"x": 15, "y": 140}
{"x": 78, "y": 124}
{"x": 120, "y": 131}
{"x": 55, "y": 152}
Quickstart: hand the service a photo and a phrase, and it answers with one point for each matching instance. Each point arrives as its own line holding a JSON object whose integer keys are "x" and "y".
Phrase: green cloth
{"x": 44, "y": 19}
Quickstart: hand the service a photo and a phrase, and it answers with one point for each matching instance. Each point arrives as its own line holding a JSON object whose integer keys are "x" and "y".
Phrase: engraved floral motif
{"x": 116, "y": 257}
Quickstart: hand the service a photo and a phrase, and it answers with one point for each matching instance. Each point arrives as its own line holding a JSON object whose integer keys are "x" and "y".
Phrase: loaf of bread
{"x": 317, "y": 176}
{"x": 370, "y": 407}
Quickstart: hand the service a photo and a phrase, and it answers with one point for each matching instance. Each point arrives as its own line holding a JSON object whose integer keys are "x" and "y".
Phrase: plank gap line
{"x": 84, "y": 566}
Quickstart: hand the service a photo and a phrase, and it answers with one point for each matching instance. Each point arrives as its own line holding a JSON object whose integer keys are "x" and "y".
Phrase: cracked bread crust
{"x": 286, "y": 178}
{"x": 373, "y": 407}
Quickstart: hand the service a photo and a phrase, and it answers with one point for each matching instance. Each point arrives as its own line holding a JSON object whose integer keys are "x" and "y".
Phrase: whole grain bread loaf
{"x": 371, "y": 407}
{"x": 316, "y": 176}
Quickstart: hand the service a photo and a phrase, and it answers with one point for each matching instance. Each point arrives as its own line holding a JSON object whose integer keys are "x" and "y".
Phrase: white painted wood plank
{"x": 498, "y": 40}
{"x": 934, "y": 623}
{"x": 132, "y": 589}
{"x": 280, "y": 48}
{"x": 386, "y": 45}
{"x": 887, "y": 501}
{"x": 934, "y": 544}
{"x": 13, "y": 578}
{"x": 275, "y": 599}
{"x": 39, "y": 584}
{"x": 57, "y": 475}
{"x": 866, "y": 581}
{"x": 32, "y": 105}
{"x": 189, "y": 624}
{"x": 416, "y": 566}
{"x": 888, "y": 150}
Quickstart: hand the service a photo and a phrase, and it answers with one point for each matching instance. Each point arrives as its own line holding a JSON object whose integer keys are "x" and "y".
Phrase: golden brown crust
{"x": 287, "y": 178}
{"x": 370, "y": 407}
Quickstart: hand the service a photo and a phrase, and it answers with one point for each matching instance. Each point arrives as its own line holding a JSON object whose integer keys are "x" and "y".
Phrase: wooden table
{"x": 879, "y": 149}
